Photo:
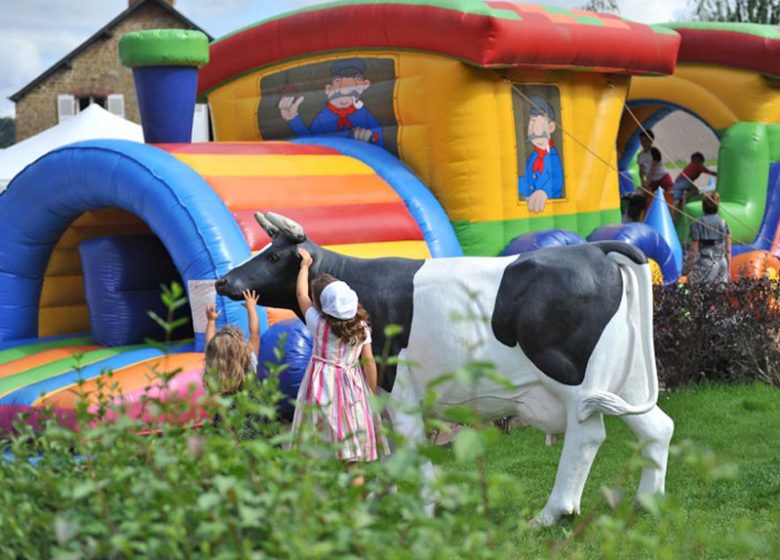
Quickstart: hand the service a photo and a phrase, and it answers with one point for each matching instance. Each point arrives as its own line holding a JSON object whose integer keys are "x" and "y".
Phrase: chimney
{"x": 165, "y": 70}
{"x": 131, "y": 3}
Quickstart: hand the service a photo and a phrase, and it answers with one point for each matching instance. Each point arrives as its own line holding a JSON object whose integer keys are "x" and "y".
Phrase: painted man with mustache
{"x": 345, "y": 113}
{"x": 543, "y": 172}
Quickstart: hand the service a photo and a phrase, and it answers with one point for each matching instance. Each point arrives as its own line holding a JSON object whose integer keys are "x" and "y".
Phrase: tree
{"x": 7, "y": 131}
{"x": 610, "y": 6}
{"x": 742, "y": 11}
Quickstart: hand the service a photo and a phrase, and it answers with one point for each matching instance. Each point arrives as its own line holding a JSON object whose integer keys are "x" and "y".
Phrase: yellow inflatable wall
{"x": 456, "y": 130}
{"x": 720, "y": 95}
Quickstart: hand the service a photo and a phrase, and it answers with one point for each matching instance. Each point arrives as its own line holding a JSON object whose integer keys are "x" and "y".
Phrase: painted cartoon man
{"x": 543, "y": 173}
{"x": 345, "y": 113}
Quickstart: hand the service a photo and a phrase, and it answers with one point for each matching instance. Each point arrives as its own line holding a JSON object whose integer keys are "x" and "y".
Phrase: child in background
{"x": 334, "y": 393}
{"x": 710, "y": 252}
{"x": 638, "y": 201}
{"x": 684, "y": 188}
{"x": 645, "y": 158}
{"x": 658, "y": 176}
{"x": 229, "y": 357}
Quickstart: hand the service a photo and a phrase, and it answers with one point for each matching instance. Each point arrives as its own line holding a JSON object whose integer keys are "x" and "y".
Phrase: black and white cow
{"x": 569, "y": 327}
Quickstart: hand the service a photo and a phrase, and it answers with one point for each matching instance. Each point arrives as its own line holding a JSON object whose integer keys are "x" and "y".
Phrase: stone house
{"x": 92, "y": 73}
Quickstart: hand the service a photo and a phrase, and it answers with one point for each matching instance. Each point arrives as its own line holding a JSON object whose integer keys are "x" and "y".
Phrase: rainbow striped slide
{"x": 56, "y": 372}
{"x": 342, "y": 202}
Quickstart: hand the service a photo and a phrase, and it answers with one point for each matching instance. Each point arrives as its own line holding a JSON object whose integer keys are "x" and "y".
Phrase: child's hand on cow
{"x": 250, "y": 298}
{"x": 211, "y": 312}
{"x": 306, "y": 258}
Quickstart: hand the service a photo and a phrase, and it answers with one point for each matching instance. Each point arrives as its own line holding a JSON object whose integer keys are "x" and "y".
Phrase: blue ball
{"x": 541, "y": 240}
{"x": 295, "y": 353}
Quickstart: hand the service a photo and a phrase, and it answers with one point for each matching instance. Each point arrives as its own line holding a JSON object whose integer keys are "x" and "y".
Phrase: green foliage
{"x": 738, "y": 11}
{"x": 174, "y": 299}
{"x": 7, "y": 131}
{"x": 121, "y": 487}
{"x": 609, "y": 6}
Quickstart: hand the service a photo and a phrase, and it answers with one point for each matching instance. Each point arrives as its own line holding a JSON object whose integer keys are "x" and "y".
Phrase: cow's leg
{"x": 580, "y": 444}
{"x": 404, "y": 412}
{"x": 653, "y": 428}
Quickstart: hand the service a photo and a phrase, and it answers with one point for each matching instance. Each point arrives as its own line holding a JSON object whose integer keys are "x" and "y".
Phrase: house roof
{"x": 104, "y": 31}
{"x": 485, "y": 33}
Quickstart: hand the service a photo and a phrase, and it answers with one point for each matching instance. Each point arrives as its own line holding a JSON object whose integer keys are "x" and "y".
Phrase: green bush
{"x": 127, "y": 488}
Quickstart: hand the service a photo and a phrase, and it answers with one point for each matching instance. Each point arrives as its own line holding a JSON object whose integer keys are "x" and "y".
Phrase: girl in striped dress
{"x": 334, "y": 394}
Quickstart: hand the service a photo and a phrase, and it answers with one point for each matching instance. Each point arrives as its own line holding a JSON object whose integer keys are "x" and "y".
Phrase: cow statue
{"x": 571, "y": 329}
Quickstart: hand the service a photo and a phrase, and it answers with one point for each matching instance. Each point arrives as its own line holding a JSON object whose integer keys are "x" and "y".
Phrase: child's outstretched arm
{"x": 250, "y": 302}
{"x": 302, "y": 283}
{"x": 369, "y": 367}
{"x": 211, "y": 321}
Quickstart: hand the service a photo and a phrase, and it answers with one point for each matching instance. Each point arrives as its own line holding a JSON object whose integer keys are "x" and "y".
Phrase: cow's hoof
{"x": 544, "y": 519}
{"x": 552, "y": 516}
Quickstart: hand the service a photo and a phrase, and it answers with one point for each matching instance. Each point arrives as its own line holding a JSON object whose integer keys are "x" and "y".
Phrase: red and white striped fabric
{"x": 334, "y": 397}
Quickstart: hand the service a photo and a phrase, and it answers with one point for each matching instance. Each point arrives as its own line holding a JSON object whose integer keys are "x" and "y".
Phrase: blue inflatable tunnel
{"x": 173, "y": 200}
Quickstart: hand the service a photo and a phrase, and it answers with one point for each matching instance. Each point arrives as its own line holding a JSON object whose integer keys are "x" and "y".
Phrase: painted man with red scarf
{"x": 345, "y": 114}
{"x": 543, "y": 172}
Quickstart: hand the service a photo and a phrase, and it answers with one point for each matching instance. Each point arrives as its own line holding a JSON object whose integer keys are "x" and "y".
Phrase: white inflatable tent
{"x": 91, "y": 123}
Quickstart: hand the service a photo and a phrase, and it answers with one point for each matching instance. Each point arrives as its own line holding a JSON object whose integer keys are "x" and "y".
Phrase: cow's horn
{"x": 267, "y": 226}
{"x": 291, "y": 229}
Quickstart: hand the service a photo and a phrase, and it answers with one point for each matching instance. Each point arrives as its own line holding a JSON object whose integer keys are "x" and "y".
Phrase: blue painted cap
{"x": 348, "y": 68}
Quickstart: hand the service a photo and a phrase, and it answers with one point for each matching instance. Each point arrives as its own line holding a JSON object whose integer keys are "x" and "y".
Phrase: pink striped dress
{"x": 334, "y": 396}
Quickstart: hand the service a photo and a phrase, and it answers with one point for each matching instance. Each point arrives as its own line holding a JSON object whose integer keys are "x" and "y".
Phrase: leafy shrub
{"x": 720, "y": 333}
{"x": 122, "y": 487}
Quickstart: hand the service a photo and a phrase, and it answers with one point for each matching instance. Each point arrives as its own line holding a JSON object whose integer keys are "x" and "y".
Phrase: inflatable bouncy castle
{"x": 391, "y": 128}
{"x": 727, "y": 78}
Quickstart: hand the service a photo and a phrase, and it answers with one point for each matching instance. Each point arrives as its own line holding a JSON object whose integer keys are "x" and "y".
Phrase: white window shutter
{"x": 116, "y": 104}
{"x": 200, "y": 123}
{"x": 66, "y": 107}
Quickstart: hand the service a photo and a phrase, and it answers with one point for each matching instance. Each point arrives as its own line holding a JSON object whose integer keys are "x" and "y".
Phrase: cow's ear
{"x": 267, "y": 226}
{"x": 291, "y": 229}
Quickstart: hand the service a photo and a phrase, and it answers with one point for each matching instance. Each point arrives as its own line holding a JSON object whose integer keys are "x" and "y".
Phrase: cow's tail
{"x": 639, "y": 294}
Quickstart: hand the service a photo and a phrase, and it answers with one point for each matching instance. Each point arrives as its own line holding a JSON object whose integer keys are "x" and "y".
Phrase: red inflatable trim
{"x": 247, "y": 148}
{"x": 532, "y": 41}
{"x": 337, "y": 225}
{"x": 730, "y": 48}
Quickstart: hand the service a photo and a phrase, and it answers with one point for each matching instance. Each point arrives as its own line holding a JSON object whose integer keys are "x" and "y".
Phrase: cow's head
{"x": 273, "y": 271}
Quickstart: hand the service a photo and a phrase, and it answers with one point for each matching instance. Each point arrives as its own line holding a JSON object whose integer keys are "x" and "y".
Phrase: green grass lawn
{"x": 723, "y": 499}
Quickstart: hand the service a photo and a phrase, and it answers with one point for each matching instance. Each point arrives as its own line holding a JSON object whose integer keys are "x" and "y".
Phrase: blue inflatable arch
{"x": 184, "y": 212}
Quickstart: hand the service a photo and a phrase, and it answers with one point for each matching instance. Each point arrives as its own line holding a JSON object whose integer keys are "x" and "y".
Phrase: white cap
{"x": 339, "y": 300}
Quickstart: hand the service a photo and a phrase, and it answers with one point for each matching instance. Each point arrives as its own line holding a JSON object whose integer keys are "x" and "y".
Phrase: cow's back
{"x": 555, "y": 304}
{"x": 454, "y": 301}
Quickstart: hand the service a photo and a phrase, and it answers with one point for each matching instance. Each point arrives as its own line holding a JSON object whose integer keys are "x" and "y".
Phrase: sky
{"x": 34, "y": 34}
